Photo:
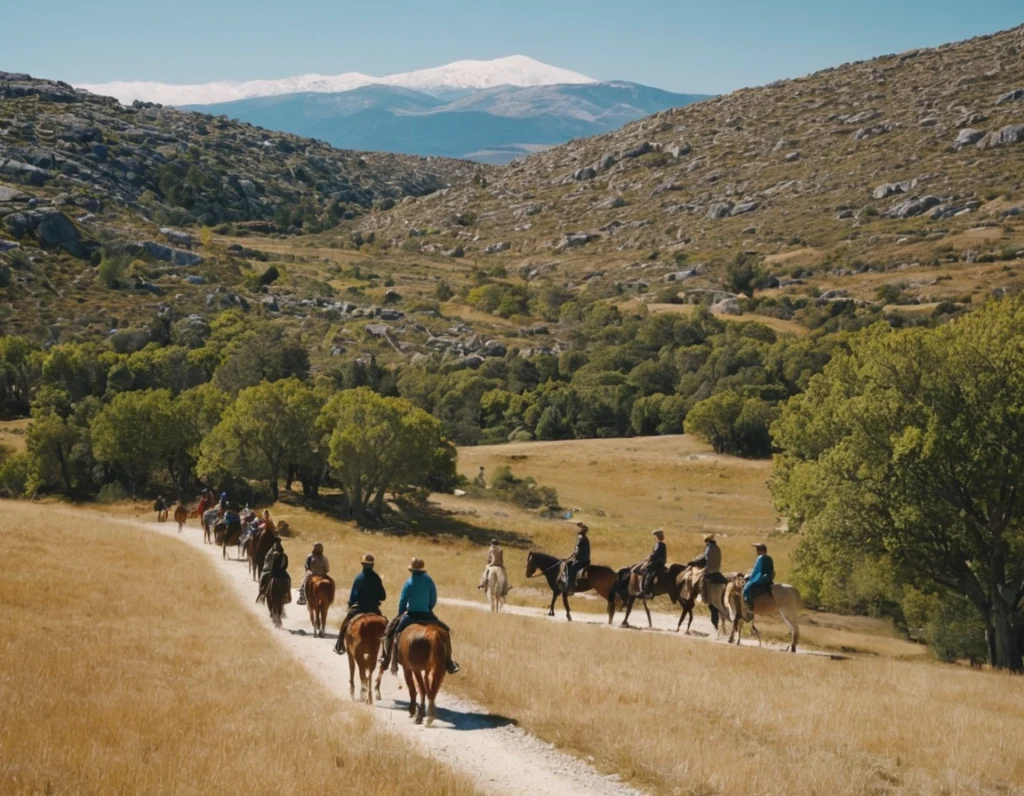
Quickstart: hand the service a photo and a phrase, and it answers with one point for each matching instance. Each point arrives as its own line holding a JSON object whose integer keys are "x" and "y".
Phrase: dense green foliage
{"x": 911, "y": 447}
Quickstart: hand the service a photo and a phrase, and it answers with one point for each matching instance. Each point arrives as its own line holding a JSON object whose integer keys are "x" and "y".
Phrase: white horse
{"x": 497, "y": 587}
{"x": 782, "y": 599}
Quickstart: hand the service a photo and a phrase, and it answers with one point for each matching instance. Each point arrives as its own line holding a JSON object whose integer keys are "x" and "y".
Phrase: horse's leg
{"x": 565, "y": 602}
{"x": 629, "y": 609}
{"x": 421, "y": 685}
{"x": 436, "y": 678}
{"x": 380, "y": 674}
{"x": 410, "y": 684}
{"x": 647, "y": 610}
{"x": 755, "y": 631}
{"x": 554, "y": 596}
{"x": 611, "y": 607}
{"x": 352, "y": 674}
{"x": 689, "y": 623}
{"x": 682, "y": 616}
{"x": 794, "y": 628}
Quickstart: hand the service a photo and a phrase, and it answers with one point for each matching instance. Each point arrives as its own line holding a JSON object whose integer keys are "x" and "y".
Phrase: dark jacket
{"x": 367, "y": 591}
{"x": 658, "y": 556}
{"x": 277, "y": 563}
{"x": 581, "y": 555}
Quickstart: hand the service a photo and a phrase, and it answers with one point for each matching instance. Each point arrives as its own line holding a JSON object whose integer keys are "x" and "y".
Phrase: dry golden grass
{"x": 12, "y": 433}
{"x": 699, "y": 718}
{"x": 127, "y": 670}
{"x": 780, "y": 325}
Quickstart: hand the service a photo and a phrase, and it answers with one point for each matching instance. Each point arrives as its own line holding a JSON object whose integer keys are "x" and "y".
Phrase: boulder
{"x": 890, "y": 188}
{"x": 376, "y": 330}
{"x": 743, "y": 207}
{"x": 8, "y": 194}
{"x": 637, "y": 151}
{"x": 679, "y": 150}
{"x": 792, "y": 157}
{"x": 270, "y": 304}
{"x": 966, "y": 137}
{"x": 611, "y": 203}
{"x": 719, "y": 210}
{"x": 496, "y": 248}
{"x": 914, "y": 206}
{"x": 1011, "y": 96}
{"x": 587, "y": 173}
{"x": 1011, "y": 134}
{"x": 391, "y": 315}
{"x": 576, "y": 239}
{"x": 176, "y": 237}
{"x": 728, "y": 306}
{"x": 159, "y": 251}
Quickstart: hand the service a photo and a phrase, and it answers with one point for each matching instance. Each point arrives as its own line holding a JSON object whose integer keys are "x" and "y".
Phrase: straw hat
{"x": 417, "y": 565}
{"x": 658, "y": 532}
{"x": 367, "y": 559}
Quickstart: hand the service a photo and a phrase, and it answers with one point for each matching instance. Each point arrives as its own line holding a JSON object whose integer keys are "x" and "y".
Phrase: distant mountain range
{"x": 490, "y": 111}
{"x": 491, "y": 125}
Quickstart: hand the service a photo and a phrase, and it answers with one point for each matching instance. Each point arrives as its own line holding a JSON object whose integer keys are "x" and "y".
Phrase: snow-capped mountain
{"x": 514, "y": 70}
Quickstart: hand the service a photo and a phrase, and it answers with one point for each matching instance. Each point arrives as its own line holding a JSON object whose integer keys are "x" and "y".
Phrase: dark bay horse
{"x": 597, "y": 577}
{"x": 666, "y": 582}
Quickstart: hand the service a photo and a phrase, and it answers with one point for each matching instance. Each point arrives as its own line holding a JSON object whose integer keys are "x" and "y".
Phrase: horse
{"x": 277, "y": 591}
{"x": 226, "y": 533}
{"x": 180, "y": 515}
{"x": 423, "y": 652}
{"x": 319, "y": 596}
{"x": 597, "y": 577}
{"x": 496, "y": 580}
{"x": 691, "y": 583}
{"x": 362, "y": 645}
{"x": 782, "y": 599}
{"x": 628, "y": 587}
{"x": 207, "y": 519}
{"x": 262, "y": 543}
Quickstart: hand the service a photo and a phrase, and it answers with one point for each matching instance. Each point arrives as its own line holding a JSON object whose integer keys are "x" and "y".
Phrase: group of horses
{"x": 422, "y": 650}
{"x": 683, "y": 585}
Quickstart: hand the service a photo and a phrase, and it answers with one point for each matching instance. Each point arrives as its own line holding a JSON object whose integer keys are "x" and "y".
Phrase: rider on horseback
{"x": 365, "y": 597}
{"x": 654, "y": 564}
{"x": 495, "y": 558}
{"x": 276, "y": 566}
{"x": 761, "y": 577}
{"x": 415, "y": 606}
{"x": 711, "y": 562}
{"x": 316, "y": 564}
{"x": 578, "y": 561}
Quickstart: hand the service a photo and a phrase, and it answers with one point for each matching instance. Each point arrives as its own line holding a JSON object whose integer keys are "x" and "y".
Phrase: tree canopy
{"x": 911, "y": 446}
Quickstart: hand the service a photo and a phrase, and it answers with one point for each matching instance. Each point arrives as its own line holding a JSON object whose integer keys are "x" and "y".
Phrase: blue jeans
{"x": 752, "y": 590}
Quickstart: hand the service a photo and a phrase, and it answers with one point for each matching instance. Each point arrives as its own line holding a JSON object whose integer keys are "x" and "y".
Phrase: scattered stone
{"x": 1011, "y": 96}
{"x": 744, "y": 207}
{"x": 728, "y": 306}
{"x": 914, "y": 206}
{"x": 1011, "y": 134}
{"x": 159, "y": 251}
{"x": 719, "y": 210}
{"x": 966, "y": 137}
{"x": 792, "y": 157}
{"x": 496, "y": 248}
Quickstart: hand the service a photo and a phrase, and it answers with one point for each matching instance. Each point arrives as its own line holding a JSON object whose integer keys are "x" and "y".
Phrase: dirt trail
{"x": 499, "y": 756}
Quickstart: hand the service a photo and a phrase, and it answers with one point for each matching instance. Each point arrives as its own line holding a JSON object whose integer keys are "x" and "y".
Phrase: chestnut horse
{"x": 319, "y": 596}
{"x": 783, "y": 599}
{"x": 180, "y": 515}
{"x": 261, "y": 544}
{"x": 599, "y": 578}
{"x": 277, "y": 595}
{"x": 362, "y": 645}
{"x": 423, "y": 652}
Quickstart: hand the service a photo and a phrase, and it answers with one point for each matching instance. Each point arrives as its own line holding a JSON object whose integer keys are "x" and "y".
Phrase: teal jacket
{"x": 419, "y": 594}
{"x": 763, "y": 571}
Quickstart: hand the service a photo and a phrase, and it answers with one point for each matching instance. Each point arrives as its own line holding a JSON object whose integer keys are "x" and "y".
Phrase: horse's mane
{"x": 544, "y": 558}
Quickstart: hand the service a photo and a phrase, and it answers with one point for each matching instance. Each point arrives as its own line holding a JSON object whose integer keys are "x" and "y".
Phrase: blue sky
{"x": 712, "y": 46}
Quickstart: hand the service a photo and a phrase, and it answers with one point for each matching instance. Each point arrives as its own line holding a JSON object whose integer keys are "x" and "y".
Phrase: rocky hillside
{"x": 879, "y": 164}
{"x": 184, "y": 167}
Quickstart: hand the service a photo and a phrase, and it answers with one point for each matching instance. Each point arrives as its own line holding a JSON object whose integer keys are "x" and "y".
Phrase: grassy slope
{"x": 126, "y": 671}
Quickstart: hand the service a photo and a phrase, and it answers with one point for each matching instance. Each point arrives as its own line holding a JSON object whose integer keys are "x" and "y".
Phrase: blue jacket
{"x": 763, "y": 571}
{"x": 367, "y": 591}
{"x": 419, "y": 594}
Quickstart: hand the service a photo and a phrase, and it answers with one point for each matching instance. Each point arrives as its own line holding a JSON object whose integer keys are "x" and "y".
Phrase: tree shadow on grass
{"x": 416, "y": 519}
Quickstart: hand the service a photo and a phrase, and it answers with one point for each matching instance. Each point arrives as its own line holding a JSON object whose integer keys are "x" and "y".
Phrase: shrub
{"x": 269, "y": 276}
{"x": 522, "y": 492}
{"x": 112, "y": 270}
{"x": 443, "y": 291}
{"x": 111, "y": 493}
{"x": 14, "y": 471}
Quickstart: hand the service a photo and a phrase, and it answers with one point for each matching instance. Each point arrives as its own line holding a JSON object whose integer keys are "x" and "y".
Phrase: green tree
{"x": 743, "y": 273}
{"x": 134, "y": 434}
{"x": 269, "y": 429}
{"x": 378, "y": 444}
{"x": 59, "y": 444}
{"x": 733, "y": 424}
{"x": 912, "y": 446}
{"x": 262, "y": 353}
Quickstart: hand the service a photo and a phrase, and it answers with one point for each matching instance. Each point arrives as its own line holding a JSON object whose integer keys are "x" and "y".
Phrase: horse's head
{"x": 531, "y": 564}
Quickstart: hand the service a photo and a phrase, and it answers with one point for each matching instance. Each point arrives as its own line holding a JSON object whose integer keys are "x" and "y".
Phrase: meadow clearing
{"x": 127, "y": 670}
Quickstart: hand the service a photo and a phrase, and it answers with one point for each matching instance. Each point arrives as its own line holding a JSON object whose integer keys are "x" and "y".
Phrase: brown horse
{"x": 599, "y": 578}
{"x": 278, "y": 593}
{"x": 362, "y": 645}
{"x": 319, "y": 596}
{"x": 783, "y": 599}
{"x": 665, "y": 582}
{"x": 262, "y": 543}
{"x": 227, "y": 533}
{"x": 180, "y": 515}
{"x": 423, "y": 652}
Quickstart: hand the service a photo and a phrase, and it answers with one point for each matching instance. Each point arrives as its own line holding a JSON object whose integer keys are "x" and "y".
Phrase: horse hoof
{"x": 430, "y": 722}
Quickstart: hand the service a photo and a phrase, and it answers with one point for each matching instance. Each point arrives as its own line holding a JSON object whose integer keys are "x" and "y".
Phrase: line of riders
{"x": 418, "y": 597}
{"x": 759, "y": 581}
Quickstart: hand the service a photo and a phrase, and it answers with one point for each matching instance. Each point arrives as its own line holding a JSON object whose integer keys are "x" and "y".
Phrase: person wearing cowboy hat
{"x": 761, "y": 577}
{"x": 654, "y": 564}
{"x": 711, "y": 562}
{"x": 316, "y": 564}
{"x": 495, "y": 558}
{"x": 365, "y": 597}
{"x": 415, "y": 606}
{"x": 578, "y": 561}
